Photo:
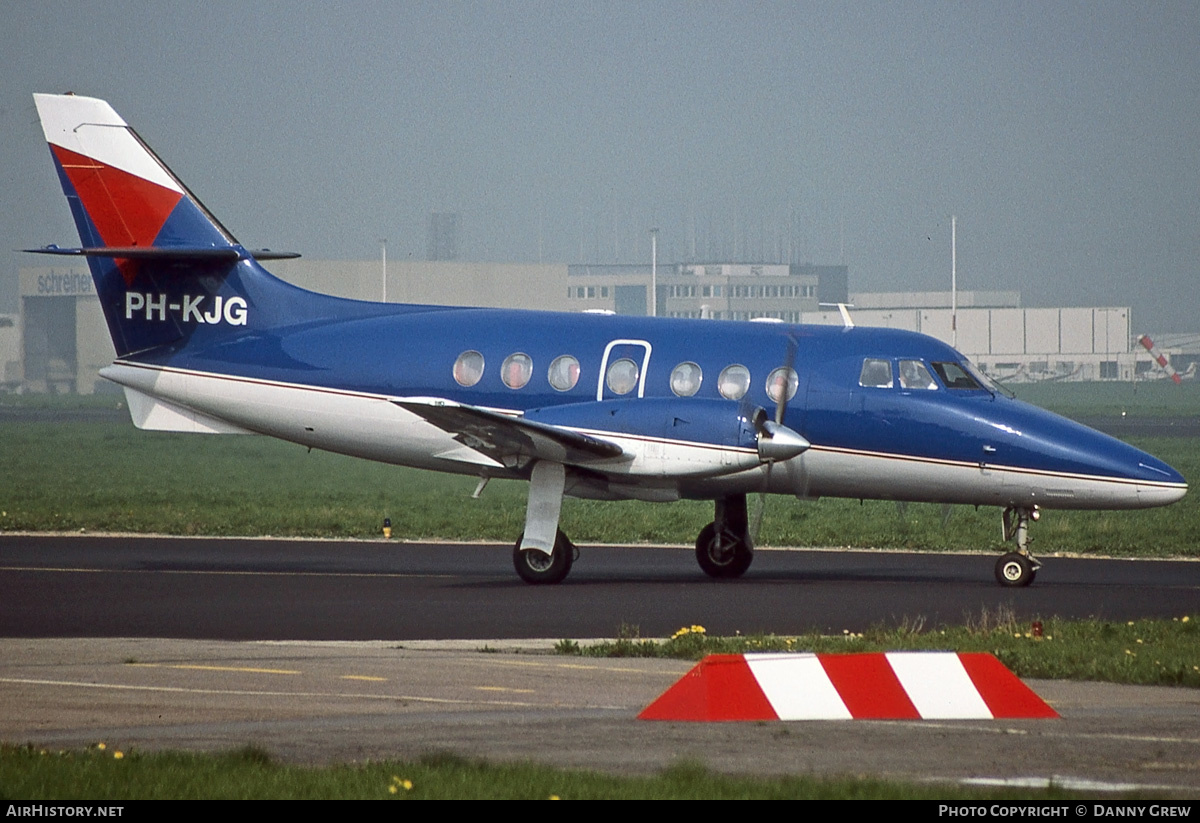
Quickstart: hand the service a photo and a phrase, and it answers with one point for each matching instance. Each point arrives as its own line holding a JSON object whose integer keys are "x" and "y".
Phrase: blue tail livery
{"x": 594, "y": 406}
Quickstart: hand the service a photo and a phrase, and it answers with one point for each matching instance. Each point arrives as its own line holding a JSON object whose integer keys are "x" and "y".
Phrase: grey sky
{"x": 1065, "y": 136}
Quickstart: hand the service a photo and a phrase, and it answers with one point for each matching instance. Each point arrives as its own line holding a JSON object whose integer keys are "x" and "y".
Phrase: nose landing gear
{"x": 1017, "y": 568}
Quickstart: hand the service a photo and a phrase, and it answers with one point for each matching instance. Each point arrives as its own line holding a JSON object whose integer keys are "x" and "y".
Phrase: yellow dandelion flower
{"x": 554, "y": 797}
{"x": 392, "y": 789}
{"x": 118, "y": 755}
{"x": 1186, "y": 618}
{"x": 101, "y": 746}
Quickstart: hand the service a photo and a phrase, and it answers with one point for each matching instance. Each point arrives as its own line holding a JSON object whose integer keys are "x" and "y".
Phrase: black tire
{"x": 1014, "y": 570}
{"x": 725, "y": 554}
{"x": 536, "y": 569}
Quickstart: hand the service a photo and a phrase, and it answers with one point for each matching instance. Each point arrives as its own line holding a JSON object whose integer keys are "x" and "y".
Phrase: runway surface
{"x": 375, "y": 590}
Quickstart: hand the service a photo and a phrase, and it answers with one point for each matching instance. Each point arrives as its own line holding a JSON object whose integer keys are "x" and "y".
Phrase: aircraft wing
{"x": 511, "y": 441}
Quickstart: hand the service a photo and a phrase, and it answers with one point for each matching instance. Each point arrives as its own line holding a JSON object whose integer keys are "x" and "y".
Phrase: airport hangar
{"x": 57, "y": 342}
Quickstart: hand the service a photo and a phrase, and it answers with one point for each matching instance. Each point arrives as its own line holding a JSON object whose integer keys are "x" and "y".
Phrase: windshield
{"x": 954, "y": 376}
{"x": 983, "y": 380}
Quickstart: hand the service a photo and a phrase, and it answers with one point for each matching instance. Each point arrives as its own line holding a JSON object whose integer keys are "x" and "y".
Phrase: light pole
{"x": 954, "y": 281}
{"x": 383, "y": 263}
{"x": 654, "y": 272}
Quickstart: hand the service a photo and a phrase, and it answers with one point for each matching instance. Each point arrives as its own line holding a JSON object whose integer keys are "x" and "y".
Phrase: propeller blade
{"x": 760, "y": 506}
{"x": 789, "y": 363}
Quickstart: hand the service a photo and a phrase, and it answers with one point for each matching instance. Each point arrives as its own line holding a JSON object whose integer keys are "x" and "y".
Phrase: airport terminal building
{"x": 58, "y": 340}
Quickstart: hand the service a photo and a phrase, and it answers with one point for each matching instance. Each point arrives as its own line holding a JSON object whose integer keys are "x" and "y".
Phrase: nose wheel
{"x": 1015, "y": 570}
{"x": 1018, "y": 568}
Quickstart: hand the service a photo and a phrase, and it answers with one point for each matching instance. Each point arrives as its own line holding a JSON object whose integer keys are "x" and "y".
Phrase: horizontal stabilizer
{"x": 169, "y": 254}
{"x": 511, "y": 441}
{"x": 153, "y": 414}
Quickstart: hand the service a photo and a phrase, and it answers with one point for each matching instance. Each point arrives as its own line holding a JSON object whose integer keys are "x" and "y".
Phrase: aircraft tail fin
{"x": 164, "y": 267}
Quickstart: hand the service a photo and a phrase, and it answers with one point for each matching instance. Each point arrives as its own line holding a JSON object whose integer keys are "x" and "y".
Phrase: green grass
{"x": 1146, "y": 652}
{"x": 110, "y": 477}
{"x": 97, "y": 775}
{"x": 1159, "y": 398}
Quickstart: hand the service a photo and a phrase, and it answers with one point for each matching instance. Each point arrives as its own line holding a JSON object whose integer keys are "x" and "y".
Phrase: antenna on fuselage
{"x": 844, "y": 308}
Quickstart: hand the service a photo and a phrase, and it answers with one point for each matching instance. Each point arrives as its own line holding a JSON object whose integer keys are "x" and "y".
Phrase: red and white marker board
{"x": 875, "y": 686}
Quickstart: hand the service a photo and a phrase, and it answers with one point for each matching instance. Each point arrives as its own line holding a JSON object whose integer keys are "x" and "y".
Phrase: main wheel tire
{"x": 1014, "y": 570}
{"x": 723, "y": 554}
{"x": 536, "y": 568}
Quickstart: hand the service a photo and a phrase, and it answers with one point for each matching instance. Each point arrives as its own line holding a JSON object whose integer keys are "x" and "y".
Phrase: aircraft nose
{"x": 1086, "y": 467}
{"x": 1161, "y": 484}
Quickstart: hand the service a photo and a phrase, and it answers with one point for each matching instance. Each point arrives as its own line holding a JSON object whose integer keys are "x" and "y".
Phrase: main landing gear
{"x": 724, "y": 548}
{"x": 543, "y": 554}
{"x": 1017, "y": 568}
{"x": 537, "y": 567}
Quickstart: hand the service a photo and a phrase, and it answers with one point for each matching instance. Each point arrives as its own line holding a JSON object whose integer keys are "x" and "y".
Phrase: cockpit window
{"x": 876, "y": 374}
{"x": 985, "y": 382}
{"x": 468, "y": 368}
{"x": 955, "y": 376}
{"x": 914, "y": 375}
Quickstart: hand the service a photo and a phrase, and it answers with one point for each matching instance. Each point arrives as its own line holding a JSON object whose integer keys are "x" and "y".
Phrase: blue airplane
{"x": 593, "y": 406}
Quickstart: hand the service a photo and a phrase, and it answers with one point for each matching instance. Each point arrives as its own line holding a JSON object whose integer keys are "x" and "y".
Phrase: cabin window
{"x": 516, "y": 370}
{"x": 914, "y": 375}
{"x": 564, "y": 373}
{"x": 686, "y": 379}
{"x": 622, "y": 376}
{"x": 468, "y": 368}
{"x": 876, "y": 374}
{"x": 782, "y": 384}
{"x": 955, "y": 376}
{"x": 734, "y": 382}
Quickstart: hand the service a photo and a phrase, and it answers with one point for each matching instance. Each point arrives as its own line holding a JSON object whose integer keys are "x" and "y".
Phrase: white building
{"x": 59, "y": 340}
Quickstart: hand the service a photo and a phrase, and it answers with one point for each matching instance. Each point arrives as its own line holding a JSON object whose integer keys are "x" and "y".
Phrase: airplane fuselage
{"x": 331, "y": 384}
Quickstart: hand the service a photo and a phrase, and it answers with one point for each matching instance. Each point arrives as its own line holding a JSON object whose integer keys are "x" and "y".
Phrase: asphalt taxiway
{"x": 239, "y": 589}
